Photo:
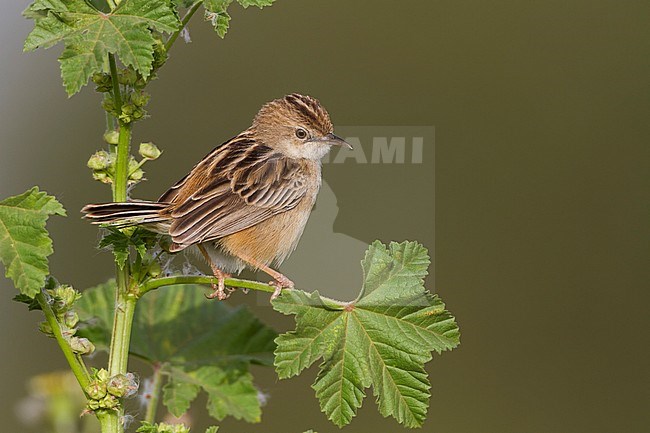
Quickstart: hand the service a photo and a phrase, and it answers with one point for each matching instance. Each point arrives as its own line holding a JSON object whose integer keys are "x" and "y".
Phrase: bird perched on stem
{"x": 247, "y": 202}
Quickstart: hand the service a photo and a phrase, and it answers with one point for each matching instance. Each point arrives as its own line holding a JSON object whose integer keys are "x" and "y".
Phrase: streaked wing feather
{"x": 247, "y": 183}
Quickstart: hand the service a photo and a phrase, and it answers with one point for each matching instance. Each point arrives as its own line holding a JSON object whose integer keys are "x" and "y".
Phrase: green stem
{"x": 190, "y": 279}
{"x": 195, "y": 6}
{"x": 124, "y": 299}
{"x": 123, "y": 319}
{"x": 124, "y": 141}
{"x": 108, "y": 423}
{"x": 156, "y": 387}
{"x": 78, "y": 367}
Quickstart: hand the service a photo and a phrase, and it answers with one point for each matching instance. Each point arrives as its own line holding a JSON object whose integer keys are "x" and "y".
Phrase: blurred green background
{"x": 541, "y": 188}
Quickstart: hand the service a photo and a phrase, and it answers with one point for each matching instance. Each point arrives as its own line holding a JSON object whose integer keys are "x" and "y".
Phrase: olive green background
{"x": 541, "y": 188}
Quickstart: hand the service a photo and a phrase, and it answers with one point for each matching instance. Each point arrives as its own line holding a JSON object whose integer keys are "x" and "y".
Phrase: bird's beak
{"x": 335, "y": 140}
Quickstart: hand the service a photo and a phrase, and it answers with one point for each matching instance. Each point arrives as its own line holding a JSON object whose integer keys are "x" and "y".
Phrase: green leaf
{"x": 216, "y": 13}
{"x": 381, "y": 340}
{"x": 259, "y": 3}
{"x": 230, "y": 392}
{"x": 89, "y": 35}
{"x": 147, "y": 427}
{"x": 212, "y": 429}
{"x": 24, "y": 242}
{"x": 32, "y": 304}
{"x": 177, "y": 325}
{"x": 201, "y": 345}
{"x": 120, "y": 241}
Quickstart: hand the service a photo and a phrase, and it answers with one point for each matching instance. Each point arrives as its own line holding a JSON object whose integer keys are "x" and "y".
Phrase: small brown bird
{"x": 247, "y": 202}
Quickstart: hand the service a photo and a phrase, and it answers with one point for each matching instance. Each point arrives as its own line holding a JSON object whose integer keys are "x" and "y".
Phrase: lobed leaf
{"x": 201, "y": 345}
{"x": 230, "y": 392}
{"x": 381, "y": 340}
{"x": 259, "y": 3}
{"x": 90, "y": 35}
{"x": 24, "y": 241}
{"x": 216, "y": 11}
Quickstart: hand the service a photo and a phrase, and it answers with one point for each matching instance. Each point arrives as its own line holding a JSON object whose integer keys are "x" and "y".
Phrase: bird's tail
{"x": 125, "y": 214}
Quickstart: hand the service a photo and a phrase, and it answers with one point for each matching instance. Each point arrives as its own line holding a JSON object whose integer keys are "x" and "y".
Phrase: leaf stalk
{"x": 77, "y": 365}
{"x": 186, "y": 18}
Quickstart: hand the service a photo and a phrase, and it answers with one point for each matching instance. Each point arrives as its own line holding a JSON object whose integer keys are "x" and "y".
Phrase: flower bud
{"x": 70, "y": 319}
{"x": 102, "y": 176}
{"x": 140, "y": 98}
{"x": 111, "y": 137}
{"x": 155, "y": 269}
{"x": 45, "y": 328}
{"x": 81, "y": 345}
{"x": 122, "y": 385}
{"x": 138, "y": 114}
{"x": 137, "y": 175}
{"x": 64, "y": 298}
{"x": 159, "y": 54}
{"x": 96, "y": 390}
{"x": 102, "y": 374}
{"x": 99, "y": 160}
{"x": 108, "y": 104}
{"x": 128, "y": 108}
{"x": 140, "y": 83}
{"x": 149, "y": 151}
{"x": 103, "y": 81}
{"x": 127, "y": 76}
{"x": 109, "y": 402}
{"x": 93, "y": 404}
{"x": 67, "y": 332}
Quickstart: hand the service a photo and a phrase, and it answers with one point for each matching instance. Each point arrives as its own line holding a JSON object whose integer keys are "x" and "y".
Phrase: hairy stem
{"x": 156, "y": 387}
{"x": 78, "y": 367}
{"x": 107, "y": 422}
{"x": 124, "y": 300}
{"x": 190, "y": 279}
{"x": 124, "y": 141}
{"x": 195, "y": 6}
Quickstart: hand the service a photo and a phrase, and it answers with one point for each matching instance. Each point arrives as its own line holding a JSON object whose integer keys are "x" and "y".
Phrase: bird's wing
{"x": 240, "y": 184}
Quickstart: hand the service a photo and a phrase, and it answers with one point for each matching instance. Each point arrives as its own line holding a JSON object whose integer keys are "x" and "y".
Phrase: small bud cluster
{"x": 159, "y": 54}
{"x": 132, "y": 106}
{"x": 103, "y": 82}
{"x": 62, "y": 299}
{"x": 102, "y": 163}
{"x": 104, "y": 392}
{"x": 133, "y": 97}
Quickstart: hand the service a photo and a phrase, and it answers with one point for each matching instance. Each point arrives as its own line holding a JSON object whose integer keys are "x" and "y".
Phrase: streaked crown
{"x": 295, "y": 109}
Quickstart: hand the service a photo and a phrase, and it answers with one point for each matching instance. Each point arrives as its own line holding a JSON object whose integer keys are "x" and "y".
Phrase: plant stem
{"x": 124, "y": 141}
{"x": 195, "y": 6}
{"x": 107, "y": 422}
{"x": 190, "y": 279}
{"x": 156, "y": 387}
{"x": 124, "y": 299}
{"x": 78, "y": 367}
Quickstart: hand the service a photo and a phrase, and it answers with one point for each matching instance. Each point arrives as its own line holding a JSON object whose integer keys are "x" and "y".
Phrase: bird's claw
{"x": 219, "y": 290}
{"x": 279, "y": 284}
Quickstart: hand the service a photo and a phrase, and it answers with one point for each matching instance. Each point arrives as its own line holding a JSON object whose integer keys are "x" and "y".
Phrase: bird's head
{"x": 298, "y": 126}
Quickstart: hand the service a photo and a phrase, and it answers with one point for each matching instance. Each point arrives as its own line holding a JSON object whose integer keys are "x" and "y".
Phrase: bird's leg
{"x": 279, "y": 280}
{"x": 219, "y": 288}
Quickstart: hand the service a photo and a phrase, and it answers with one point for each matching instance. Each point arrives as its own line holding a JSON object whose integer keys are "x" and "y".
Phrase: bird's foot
{"x": 281, "y": 282}
{"x": 219, "y": 290}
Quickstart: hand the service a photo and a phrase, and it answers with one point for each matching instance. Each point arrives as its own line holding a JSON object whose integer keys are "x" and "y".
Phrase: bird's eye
{"x": 301, "y": 133}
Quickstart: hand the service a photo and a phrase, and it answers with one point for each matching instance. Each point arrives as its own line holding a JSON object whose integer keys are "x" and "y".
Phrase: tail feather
{"x": 125, "y": 214}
